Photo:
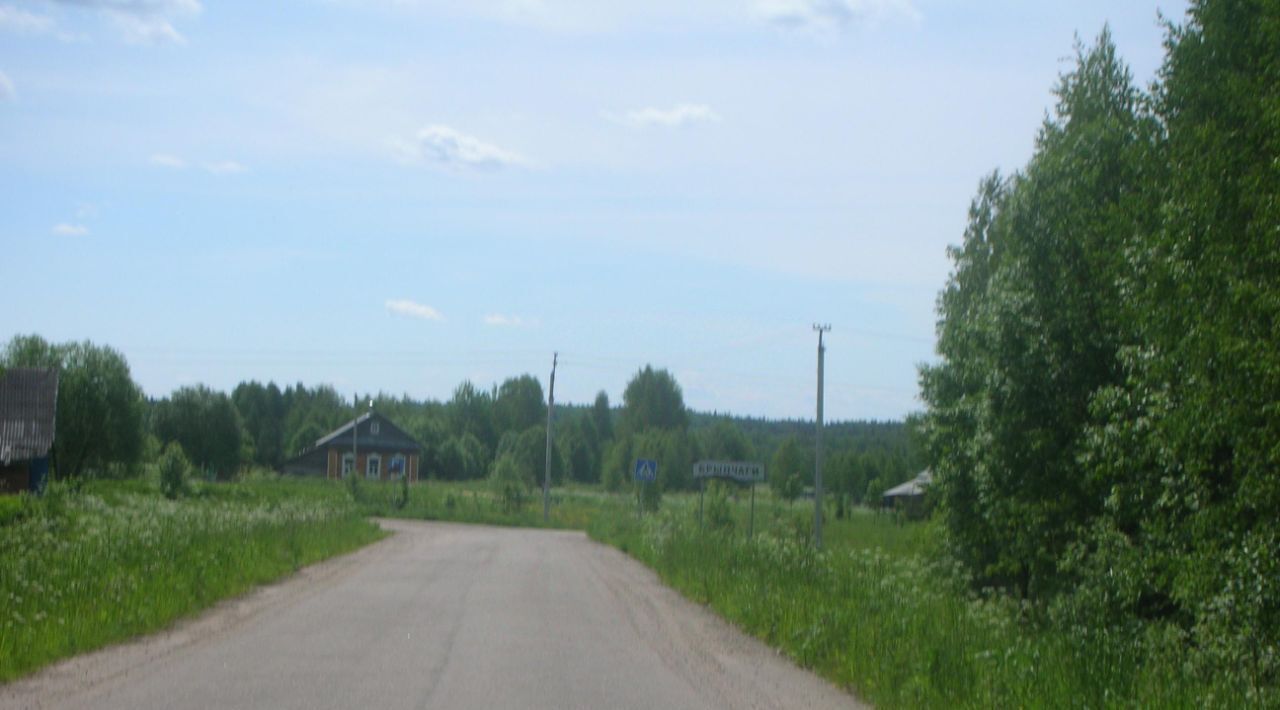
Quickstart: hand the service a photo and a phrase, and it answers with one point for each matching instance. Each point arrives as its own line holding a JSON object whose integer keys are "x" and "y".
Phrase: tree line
{"x": 107, "y": 428}
{"x": 1104, "y": 417}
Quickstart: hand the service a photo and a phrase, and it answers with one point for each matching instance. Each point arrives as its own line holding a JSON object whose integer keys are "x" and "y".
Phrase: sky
{"x": 400, "y": 195}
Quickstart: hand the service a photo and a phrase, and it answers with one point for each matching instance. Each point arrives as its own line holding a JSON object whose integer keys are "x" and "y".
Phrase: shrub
{"x": 717, "y": 513}
{"x": 175, "y": 471}
{"x": 509, "y": 483}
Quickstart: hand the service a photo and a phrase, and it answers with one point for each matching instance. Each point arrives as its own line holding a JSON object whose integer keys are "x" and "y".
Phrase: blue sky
{"x": 397, "y": 195}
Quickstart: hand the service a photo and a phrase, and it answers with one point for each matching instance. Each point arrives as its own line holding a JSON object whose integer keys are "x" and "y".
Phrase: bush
{"x": 509, "y": 483}
{"x": 717, "y": 513}
{"x": 175, "y": 471}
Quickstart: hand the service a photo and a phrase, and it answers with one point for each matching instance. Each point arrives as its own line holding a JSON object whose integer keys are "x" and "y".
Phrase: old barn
{"x": 28, "y": 412}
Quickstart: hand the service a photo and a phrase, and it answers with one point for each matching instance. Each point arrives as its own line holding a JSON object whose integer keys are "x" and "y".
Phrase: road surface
{"x": 444, "y": 616}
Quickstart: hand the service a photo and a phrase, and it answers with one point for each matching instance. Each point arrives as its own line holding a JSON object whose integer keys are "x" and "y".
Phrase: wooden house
{"x": 28, "y": 413}
{"x": 370, "y": 446}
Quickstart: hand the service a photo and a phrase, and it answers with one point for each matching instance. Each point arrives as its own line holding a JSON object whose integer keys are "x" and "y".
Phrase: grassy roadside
{"x": 83, "y": 569}
{"x": 876, "y": 614}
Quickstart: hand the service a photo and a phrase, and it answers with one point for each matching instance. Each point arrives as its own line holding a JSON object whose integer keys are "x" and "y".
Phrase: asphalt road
{"x": 444, "y": 616}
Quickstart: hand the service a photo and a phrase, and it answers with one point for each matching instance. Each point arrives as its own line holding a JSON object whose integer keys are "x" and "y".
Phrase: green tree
{"x": 1184, "y": 448}
{"x": 653, "y": 400}
{"x": 207, "y": 426}
{"x": 310, "y": 414}
{"x": 519, "y": 405}
{"x": 725, "y": 441}
{"x": 616, "y": 469}
{"x": 262, "y": 409}
{"x": 787, "y": 471}
{"x": 578, "y": 442}
{"x": 471, "y": 412}
{"x": 602, "y": 417}
{"x": 1031, "y": 322}
{"x": 100, "y": 408}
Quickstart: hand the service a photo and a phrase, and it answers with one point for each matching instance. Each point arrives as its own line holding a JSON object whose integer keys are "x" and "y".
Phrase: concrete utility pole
{"x": 546, "y": 474}
{"x": 817, "y": 458}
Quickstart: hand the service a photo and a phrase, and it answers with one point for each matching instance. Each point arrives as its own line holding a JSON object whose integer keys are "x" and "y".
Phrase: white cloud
{"x": 443, "y": 145}
{"x": 16, "y": 19}
{"x": 137, "y": 29}
{"x": 70, "y": 230}
{"x": 7, "y": 92}
{"x": 831, "y": 14}
{"x": 143, "y": 21}
{"x": 411, "y": 309}
{"x": 225, "y": 167}
{"x": 165, "y": 160}
{"x": 681, "y": 115}
{"x": 498, "y": 320}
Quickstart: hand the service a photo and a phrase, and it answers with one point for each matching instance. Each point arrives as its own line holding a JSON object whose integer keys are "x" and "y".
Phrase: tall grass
{"x": 79, "y": 570}
{"x": 475, "y": 502}
{"x": 877, "y": 612}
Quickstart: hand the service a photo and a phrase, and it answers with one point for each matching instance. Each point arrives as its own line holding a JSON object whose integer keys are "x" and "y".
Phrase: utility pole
{"x": 817, "y": 458}
{"x": 355, "y": 430}
{"x": 546, "y": 474}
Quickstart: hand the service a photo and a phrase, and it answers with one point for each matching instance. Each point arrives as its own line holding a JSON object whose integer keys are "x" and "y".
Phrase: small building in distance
{"x": 909, "y": 497}
{"x": 382, "y": 452}
{"x": 28, "y": 413}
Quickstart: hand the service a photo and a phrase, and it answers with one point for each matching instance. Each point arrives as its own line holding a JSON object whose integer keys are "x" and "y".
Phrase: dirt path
{"x": 444, "y": 616}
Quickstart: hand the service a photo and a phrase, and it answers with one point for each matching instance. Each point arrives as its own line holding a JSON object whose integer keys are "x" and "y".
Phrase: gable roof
{"x": 28, "y": 404}
{"x": 914, "y": 487}
{"x": 389, "y": 435}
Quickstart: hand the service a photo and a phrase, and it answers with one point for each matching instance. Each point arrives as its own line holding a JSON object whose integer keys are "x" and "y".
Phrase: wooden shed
{"x": 28, "y": 414}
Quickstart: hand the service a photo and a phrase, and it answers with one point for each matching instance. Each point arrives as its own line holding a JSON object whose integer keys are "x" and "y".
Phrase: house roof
{"x": 914, "y": 487}
{"x": 28, "y": 403}
{"x": 389, "y": 436}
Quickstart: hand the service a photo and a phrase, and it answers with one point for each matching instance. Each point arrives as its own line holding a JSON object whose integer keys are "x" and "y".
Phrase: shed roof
{"x": 914, "y": 487}
{"x": 28, "y": 404}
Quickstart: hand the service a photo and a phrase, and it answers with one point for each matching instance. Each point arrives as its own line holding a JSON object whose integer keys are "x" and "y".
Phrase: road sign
{"x": 740, "y": 471}
{"x": 646, "y": 470}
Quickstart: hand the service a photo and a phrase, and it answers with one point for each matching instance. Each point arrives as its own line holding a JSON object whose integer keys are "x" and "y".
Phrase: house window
{"x": 396, "y": 466}
{"x": 373, "y": 428}
{"x": 348, "y": 464}
{"x": 373, "y": 467}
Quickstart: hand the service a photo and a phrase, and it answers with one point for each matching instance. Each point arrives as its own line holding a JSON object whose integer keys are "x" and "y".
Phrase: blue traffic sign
{"x": 646, "y": 470}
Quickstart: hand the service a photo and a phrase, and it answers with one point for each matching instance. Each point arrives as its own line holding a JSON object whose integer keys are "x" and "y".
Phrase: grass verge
{"x": 83, "y": 569}
{"x": 875, "y": 613}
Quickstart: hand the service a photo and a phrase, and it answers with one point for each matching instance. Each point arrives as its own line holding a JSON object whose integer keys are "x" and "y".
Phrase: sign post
{"x": 646, "y": 471}
{"x": 748, "y": 473}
